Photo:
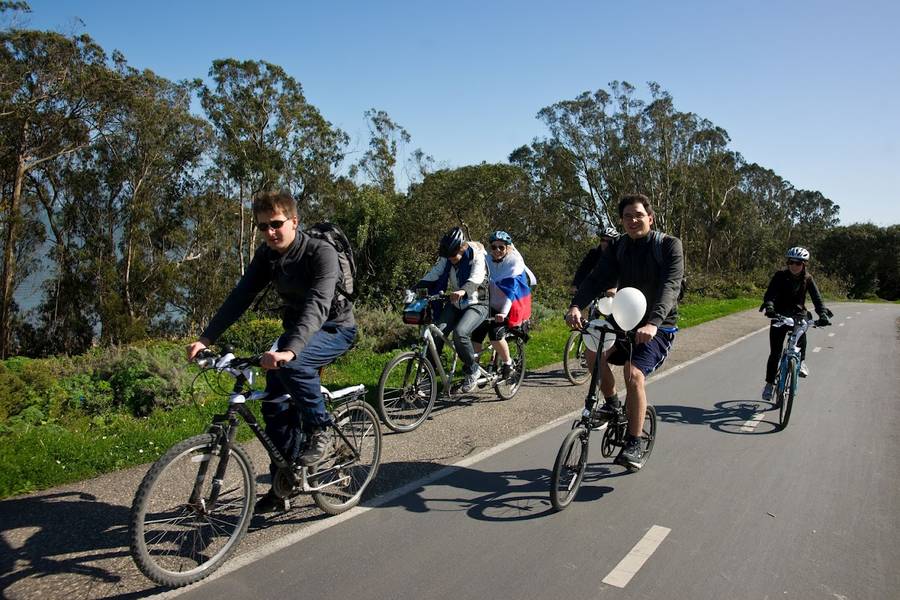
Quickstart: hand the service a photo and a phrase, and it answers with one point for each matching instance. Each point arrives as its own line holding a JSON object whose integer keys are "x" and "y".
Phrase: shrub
{"x": 252, "y": 335}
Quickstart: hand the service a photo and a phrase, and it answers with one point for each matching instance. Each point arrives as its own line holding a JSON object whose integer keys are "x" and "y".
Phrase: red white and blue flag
{"x": 511, "y": 283}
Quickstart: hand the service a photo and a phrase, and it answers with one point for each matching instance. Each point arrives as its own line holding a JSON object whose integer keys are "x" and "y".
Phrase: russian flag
{"x": 511, "y": 283}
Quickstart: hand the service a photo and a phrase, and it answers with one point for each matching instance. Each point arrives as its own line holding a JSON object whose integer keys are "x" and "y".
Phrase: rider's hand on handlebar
{"x": 456, "y": 296}
{"x": 645, "y": 334}
{"x": 573, "y": 317}
{"x": 823, "y": 321}
{"x": 273, "y": 360}
{"x": 194, "y": 349}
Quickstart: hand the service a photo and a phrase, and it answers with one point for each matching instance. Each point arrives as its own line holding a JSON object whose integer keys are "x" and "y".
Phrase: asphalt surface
{"x": 742, "y": 510}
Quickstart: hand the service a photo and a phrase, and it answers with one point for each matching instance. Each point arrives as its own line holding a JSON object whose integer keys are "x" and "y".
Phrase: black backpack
{"x": 332, "y": 234}
{"x": 656, "y": 238}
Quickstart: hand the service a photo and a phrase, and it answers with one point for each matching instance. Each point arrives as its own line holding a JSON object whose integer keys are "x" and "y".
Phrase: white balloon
{"x": 604, "y": 305}
{"x": 591, "y": 337}
{"x": 629, "y": 306}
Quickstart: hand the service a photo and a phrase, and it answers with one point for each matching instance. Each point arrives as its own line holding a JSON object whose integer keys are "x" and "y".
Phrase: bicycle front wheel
{"x": 179, "y": 533}
{"x": 568, "y": 470}
{"x": 648, "y": 431}
{"x": 407, "y": 391}
{"x": 507, "y": 388}
{"x": 786, "y": 393}
{"x": 353, "y": 463}
{"x": 574, "y": 364}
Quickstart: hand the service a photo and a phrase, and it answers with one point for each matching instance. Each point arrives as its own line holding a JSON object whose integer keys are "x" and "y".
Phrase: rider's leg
{"x": 776, "y": 341}
{"x": 502, "y": 348}
{"x": 635, "y": 399}
{"x": 470, "y": 319}
{"x": 446, "y": 322}
{"x": 801, "y": 343}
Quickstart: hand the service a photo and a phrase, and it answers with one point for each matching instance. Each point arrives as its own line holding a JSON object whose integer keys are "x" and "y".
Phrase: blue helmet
{"x": 501, "y": 236}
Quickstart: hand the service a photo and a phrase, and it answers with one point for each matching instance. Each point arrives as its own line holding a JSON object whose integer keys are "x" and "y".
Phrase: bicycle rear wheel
{"x": 354, "y": 461}
{"x": 786, "y": 393}
{"x": 407, "y": 391}
{"x": 568, "y": 470}
{"x": 574, "y": 364}
{"x": 178, "y": 537}
{"x": 507, "y": 388}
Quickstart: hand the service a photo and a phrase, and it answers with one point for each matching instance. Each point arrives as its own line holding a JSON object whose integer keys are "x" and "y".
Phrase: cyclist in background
{"x": 318, "y": 328}
{"x": 511, "y": 283}
{"x": 607, "y": 237}
{"x": 786, "y": 295}
{"x": 462, "y": 267}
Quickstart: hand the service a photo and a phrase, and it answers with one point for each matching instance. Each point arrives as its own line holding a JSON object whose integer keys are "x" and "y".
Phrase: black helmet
{"x": 451, "y": 242}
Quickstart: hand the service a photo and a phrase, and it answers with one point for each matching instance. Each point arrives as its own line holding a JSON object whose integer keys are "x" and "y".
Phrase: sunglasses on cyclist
{"x": 276, "y": 224}
{"x": 498, "y": 246}
{"x": 796, "y": 262}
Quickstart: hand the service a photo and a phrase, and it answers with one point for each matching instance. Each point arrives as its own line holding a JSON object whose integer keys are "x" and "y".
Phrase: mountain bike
{"x": 408, "y": 387}
{"x": 571, "y": 460}
{"x": 195, "y": 503}
{"x": 575, "y": 364}
{"x": 789, "y": 364}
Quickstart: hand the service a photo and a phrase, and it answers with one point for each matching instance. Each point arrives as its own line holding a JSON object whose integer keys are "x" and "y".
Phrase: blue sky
{"x": 807, "y": 88}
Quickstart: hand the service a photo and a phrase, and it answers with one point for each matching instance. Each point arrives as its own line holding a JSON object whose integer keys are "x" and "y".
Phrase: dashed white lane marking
{"x": 859, "y": 313}
{"x": 831, "y": 334}
{"x": 840, "y": 324}
{"x": 634, "y": 560}
{"x": 750, "y": 424}
{"x": 817, "y": 349}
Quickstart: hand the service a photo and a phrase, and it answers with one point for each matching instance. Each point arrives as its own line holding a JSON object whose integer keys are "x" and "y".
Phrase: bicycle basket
{"x": 416, "y": 312}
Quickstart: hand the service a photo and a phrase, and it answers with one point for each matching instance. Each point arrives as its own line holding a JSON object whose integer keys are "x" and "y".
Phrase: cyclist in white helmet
{"x": 786, "y": 295}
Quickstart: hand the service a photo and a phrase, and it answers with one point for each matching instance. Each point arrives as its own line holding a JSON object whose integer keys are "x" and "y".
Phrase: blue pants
{"x": 462, "y": 322}
{"x": 300, "y": 379}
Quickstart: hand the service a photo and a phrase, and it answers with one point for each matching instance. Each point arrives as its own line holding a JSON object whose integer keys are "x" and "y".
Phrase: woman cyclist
{"x": 786, "y": 295}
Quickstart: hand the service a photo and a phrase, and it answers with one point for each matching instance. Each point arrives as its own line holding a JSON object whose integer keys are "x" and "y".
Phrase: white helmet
{"x": 798, "y": 253}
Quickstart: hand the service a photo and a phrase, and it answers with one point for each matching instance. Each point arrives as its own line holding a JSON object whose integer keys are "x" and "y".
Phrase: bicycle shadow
{"x": 63, "y": 533}
{"x": 499, "y": 496}
{"x": 726, "y": 416}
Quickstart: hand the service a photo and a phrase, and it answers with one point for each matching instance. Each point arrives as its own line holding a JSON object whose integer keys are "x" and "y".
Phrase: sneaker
{"x": 319, "y": 445}
{"x": 804, "y": 371}
{"x": 506, "y": 370}
{"x": 768, "y": 392}
{"x": 271, "y": 503}
{"x": 632, "y": 454}
{"x": 607, "y": 411}
{"x": 469, "y": 383}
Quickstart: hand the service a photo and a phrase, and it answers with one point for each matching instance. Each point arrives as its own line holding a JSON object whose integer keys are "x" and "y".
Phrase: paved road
{"x": 810, "y": 511}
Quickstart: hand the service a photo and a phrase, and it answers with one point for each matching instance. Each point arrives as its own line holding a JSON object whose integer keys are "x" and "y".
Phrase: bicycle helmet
{"x": 501, "y": 236}
{"x": 798, "y": 253}
{"x": 451, "y": 242}
{"x": 610, "y": 233}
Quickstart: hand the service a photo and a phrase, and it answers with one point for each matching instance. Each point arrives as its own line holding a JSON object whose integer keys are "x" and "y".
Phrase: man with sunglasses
{"x": 786, "y": 295}
{"x": 318, "y": 328}
{"x": 635, "y": 265}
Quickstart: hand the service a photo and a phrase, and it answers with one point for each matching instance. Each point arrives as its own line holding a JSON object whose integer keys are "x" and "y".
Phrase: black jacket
{"x": 587, "y": 264}
{"x": 660, "y": 284}
{"x": 787, "y": 293}
{"x": 305, "y": 277}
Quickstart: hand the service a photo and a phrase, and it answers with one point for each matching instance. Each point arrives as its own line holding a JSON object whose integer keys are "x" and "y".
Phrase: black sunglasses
{"x": 276, "y": 224}
{"x": 795, "y": 262}
{"x": 498, "y": 246}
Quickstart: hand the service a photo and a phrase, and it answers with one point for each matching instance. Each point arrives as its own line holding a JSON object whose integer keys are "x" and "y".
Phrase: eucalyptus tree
{"x": 268, "y": 136}
{"x": 53, "y": 103}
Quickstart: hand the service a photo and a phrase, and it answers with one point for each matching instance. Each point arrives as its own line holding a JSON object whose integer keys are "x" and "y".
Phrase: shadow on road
{"x": 727, "y": 416}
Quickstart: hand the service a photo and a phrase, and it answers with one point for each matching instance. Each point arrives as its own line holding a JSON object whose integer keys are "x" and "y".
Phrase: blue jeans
{"x": 462, "y": 322}
{"x": 300, "y": 379}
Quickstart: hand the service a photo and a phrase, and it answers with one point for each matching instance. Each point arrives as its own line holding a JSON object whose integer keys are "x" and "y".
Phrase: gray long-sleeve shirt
{"x": 305, "y": 277}
{"x": 660, "y": 283}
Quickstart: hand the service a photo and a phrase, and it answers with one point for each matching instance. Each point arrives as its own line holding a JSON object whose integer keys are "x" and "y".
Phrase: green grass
{"x": 43, "y": 456}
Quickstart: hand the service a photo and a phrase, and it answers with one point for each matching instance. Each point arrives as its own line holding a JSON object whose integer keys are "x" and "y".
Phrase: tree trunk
{"x": 241, "y": 240}
{"x": 9, "y": 266}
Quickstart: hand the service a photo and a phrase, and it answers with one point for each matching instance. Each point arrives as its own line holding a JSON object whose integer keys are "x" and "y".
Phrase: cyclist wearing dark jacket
{"x": 318, "y": 328}
{"x": 607, "y": 238}
{"x": 786, "y": 295}
{"x": 635, "y": 265}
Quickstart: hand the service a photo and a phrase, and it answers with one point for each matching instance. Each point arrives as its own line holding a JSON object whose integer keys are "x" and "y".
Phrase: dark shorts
{"x": 646, "y": 357}
{"x": 495, "y": 331}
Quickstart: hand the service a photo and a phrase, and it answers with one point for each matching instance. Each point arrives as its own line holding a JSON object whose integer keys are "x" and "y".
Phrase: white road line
{"x": 859, "y": 313}
{"x": 848, "y": 317}
{"x": 831, "y": 334}
{"x": 817, "y": 349}
{"x": 634, "y": 560}
{"x": 840, "y": 324}
{"x": 751, "y": 424}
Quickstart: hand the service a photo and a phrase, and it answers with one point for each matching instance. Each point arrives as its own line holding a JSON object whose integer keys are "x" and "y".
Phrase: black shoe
{"x": 506, "y": 370}
{"x": 318, "y": 447}
{"x": 607, "y": 411}
{"x": 271, "y": 503}
{"x": 632, "y": 455}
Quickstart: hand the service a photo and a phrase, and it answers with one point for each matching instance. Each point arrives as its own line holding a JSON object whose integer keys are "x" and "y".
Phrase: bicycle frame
{"x": 799, "y": 326}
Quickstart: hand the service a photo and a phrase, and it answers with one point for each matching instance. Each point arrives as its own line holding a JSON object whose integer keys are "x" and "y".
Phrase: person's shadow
{"x": 72, "y": 533}
{"x": 727, "y": 416}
